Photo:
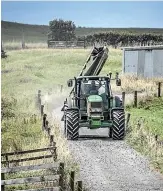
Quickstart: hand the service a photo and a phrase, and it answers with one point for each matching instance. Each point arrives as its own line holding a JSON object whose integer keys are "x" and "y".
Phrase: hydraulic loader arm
{"x": 95, "y": 62}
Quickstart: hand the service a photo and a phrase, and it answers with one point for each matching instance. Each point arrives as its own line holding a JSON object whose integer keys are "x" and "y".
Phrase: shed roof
{"x": 158, "y": 47}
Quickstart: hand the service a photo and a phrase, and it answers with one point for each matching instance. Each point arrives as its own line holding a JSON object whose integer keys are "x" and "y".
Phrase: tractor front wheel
{"x": 118, "y": 128}
{"x": 72, "y": 124}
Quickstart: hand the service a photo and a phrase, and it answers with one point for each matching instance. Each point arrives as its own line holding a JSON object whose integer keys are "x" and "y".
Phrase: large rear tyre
{"x": 118, "y": 128}
{"x": 72, "y": 124}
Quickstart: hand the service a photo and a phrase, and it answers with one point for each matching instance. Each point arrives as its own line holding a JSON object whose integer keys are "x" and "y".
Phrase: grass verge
{"x": 145, "y": 132}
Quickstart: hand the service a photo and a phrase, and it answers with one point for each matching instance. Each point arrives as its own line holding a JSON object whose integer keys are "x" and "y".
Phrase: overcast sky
{"x": 88, "y": 14}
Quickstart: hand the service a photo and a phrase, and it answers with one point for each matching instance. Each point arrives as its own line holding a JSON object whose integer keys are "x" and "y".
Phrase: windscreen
{"x": 94, "y": 87}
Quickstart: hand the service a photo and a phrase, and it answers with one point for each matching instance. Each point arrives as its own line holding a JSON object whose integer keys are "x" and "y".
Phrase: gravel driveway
{"x": 107, "y": 165}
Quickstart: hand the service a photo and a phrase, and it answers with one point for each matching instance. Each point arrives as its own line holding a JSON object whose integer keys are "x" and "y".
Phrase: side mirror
{"x": 70, "y": 83}
{"x": 118, "y": 82}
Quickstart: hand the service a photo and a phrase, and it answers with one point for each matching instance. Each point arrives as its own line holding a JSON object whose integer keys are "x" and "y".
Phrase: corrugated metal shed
{"x": 144, "y": 61}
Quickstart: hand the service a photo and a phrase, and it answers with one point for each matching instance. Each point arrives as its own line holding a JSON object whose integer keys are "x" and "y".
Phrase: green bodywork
{"x": 94, "y": 98}
{"x": 97, "y": 120}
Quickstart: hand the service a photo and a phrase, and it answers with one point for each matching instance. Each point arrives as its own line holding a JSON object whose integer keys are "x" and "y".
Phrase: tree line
{"x": 125, "y": 39}
{"x": 61, "y": 30}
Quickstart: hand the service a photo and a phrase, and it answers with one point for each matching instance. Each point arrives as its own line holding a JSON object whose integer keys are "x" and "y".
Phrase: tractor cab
{"x": 90, "y": 89}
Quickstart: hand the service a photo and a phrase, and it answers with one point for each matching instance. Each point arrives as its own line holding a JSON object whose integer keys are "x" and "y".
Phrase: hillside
{"x": 12, "y": 31}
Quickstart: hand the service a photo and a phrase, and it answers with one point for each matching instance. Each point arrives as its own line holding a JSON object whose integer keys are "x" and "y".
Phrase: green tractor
{"x": 91, "y": 103}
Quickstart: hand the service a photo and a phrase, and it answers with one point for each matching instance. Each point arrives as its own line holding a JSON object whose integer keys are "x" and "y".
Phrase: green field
{"x": 12, "y": 31}
{"x": 24, "y": 72}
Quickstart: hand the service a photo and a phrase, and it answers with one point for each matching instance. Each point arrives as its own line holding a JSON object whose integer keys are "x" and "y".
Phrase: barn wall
{"x": 158, "y": 63}
{"x": 131, "y": 60}
{"x": 141, "y": 61}
{"x": 146, "y": 62}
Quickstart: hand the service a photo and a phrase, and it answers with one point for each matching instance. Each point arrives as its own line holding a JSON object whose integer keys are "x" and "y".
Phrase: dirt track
{"x": 107, "y": 165}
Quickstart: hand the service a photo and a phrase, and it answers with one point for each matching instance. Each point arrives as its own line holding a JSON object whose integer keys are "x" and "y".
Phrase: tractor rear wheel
{"x": 118, "y": 128}
{"x": 72, "y": 124}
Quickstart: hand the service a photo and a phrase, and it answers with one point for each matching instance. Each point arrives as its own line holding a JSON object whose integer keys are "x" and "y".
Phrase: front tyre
{"x": 118, "y": 128}
{"x": 72, "y": 124}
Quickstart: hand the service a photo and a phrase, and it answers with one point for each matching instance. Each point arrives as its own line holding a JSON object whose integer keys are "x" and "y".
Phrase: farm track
{"x": 107, "y": 165}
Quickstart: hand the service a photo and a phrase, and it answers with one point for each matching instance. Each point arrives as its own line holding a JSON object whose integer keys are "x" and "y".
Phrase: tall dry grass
{"x": 15, "y": 45}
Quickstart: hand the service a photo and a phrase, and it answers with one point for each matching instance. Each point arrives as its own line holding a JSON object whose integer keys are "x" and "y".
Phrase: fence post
{"x": 159, "y": 89}
{"x": 39, "y": 98}
{"x": 79, "y": 186}
{"x": 35, "y": 120}
{"x": 61, "y": 179}
{"x": 46, "y": 125}
{"x": 51, "y": 140}
{"x": 127, "y": 119}
{"x": 123, "y": 99}
{"x": 23, "y": 44}
{"x": 24, "y": 121}
{"x": 42, "y": 110}
{"x": 44, "y": 121}
{"x": 72, "y": 180}
{"x": 135, "y": 98}
{"x": 2, "y": 178}
{"x": 84, "y": 42}
{"x": 49, "y": 131}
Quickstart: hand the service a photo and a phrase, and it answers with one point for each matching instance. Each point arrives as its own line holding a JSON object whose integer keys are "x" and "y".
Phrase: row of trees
{"x": 61, "y": 30}
{"x": 123, "y": 39}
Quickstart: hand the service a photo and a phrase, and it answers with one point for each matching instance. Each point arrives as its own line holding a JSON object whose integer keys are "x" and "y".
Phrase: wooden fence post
{"x": 42, "y": 110}
{"x": 51, "y": 140}
{"x": 61, "y": 179}
{"x": 2, "y": 178}
{"x": 72, "y": 180}
{"x": 49, "y": 130}
{"x": 44, "y": 121}
{"x": 159, "y": 89}
{"x": 79, "y": 186}
{"x": 127, "y": 119}
{"x": 135, "y": 98}
{"x": 84, "y": 42}
{"x": 35, "y": 120}
{"x": 39, "y": 98}
{"x": 24, "y": 121}
{"x": 123, "y": 99}
{"x": 23, "y": 44}
{"x": 46, "y": 125}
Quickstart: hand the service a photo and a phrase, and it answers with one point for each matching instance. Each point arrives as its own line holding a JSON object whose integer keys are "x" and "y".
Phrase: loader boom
{"x": 95, "y": 62}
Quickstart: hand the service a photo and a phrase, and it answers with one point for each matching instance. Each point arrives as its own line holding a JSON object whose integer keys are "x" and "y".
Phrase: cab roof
{"x": 93, "y": 77}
